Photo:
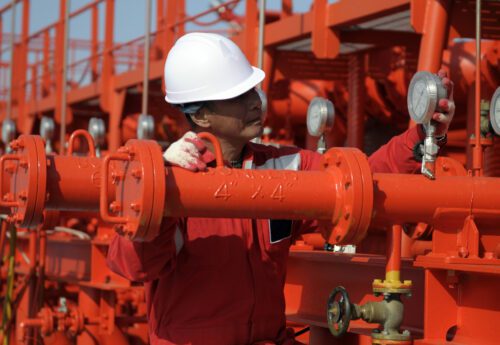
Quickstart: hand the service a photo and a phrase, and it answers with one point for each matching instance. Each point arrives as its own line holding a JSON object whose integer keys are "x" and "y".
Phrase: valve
{"x": 388, "y": 313}
{"x": 320, "y": 117}
{"x": 97, "y": 130}
{"x": 339, "y": 313}
{"x": 424, "y": 94}
{"x": 66, "y": 318}
{"x": 47, "y": 127}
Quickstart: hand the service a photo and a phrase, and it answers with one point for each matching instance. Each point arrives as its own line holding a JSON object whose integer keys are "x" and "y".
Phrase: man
{"x": 220, "y": 281}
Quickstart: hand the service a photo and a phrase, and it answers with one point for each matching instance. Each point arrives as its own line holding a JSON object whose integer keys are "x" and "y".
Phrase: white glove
{"x": 447, "y": 106}
{"x": 189, "y": 152}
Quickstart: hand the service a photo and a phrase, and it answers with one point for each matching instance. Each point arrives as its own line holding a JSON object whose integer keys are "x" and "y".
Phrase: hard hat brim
{"x": 255, "y": 78}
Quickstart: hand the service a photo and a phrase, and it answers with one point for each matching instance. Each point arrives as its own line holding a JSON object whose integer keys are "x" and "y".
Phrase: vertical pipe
{"x": 262, "y": 23}
{"x": 62, "y": 138}
{"x": 250, "y": 26}
{"x": 1, "y": 36}
{"x": 181, "y": 6}
{"x": 34, "y": 78}
{"x": 46, "y": 63}
{"x": 477, "y": 151}
{"x": 434, "y": 34}
{"x": 160, "y": 28}
{"x": 147, "y": 36}
{"x": 95, "y": 42}
{"x": 11, "y": 72}
{"x": 89, "y": 304}
{"x": 393, "y": 266}
{"x": 286, "y": 8}
{"x": 355, "y": 112}
{"x": 170, "y": 27}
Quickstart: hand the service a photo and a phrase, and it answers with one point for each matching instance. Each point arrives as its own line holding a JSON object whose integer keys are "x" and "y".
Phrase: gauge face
{"x": 8, "y": 131}
{"x": 495, "y": 111}
{"x": 423, "y": 96}
{"x": 320, "y": 116}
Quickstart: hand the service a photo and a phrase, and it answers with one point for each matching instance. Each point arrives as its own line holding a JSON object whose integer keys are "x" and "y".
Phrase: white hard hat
{"x": 207, "y": 67}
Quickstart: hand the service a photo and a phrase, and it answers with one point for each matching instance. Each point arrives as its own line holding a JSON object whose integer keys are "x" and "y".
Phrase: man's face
{"x": 238, "y": 118}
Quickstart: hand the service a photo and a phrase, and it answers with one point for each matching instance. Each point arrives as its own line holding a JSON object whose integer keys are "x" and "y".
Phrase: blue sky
{"x": 129, "y": 22}
{"x": 129, "y": 17}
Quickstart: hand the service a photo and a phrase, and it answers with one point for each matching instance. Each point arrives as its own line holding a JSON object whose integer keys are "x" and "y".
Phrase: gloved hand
{"x": 189, "y": 152}
{"x": 442, "y": 119}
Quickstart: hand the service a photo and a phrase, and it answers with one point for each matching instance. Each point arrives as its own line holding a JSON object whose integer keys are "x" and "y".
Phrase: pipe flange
{"x": 379, "y": 338}
{"x": 159, "y": 192}
{"x": 28, "y": 184}
{"x": 48, "y": 324}
{"x": 140, "y": 189}
{"x": 354, "y": 201}
{"x": 391, "y": 286}
{"x": 76, "y": 321}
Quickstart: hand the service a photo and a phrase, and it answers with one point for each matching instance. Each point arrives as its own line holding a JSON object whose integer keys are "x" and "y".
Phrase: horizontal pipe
{"x": 413, "y": 198}
{"x": 73, "y": 183}
{"x": 234, "y": 193}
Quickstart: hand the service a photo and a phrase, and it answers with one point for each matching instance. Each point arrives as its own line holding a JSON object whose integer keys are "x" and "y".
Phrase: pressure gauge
{"x": 495, "y": 111}
{"x": 320, "y": 116}
{"x": 47, "y": 127}
{"x": 97, "y": 130}
{"x": 8, "y": 131}
{"x": 425, "y": 91}
{"x": 145, "y": 127}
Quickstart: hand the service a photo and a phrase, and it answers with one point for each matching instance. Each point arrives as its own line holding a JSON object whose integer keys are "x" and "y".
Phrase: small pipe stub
{"x": 353, "y": 210}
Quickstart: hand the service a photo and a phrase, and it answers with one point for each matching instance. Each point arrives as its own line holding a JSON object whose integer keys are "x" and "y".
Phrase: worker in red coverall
{"x": 220, "y": 281}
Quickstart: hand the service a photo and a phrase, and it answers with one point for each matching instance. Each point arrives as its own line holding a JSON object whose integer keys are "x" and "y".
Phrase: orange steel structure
{"x": 437, "y": 241}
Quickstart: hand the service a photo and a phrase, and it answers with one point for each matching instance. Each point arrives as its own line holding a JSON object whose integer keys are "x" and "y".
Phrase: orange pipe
{"x": 219, "y": 159}
{"x": 413, "y": 198}
{"x": 313, "y": 195}
{"x": 85, "y": 135}
{"x": 394, "y": 249}
{"x": 234, "y": 193}
{"x": 356, "y": 106}
{"x": 434, "y": 34}
{"x": 73, "y": 183}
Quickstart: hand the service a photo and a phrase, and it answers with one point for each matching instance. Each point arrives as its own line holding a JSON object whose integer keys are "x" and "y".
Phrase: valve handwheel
{"x": 339, "y": 313}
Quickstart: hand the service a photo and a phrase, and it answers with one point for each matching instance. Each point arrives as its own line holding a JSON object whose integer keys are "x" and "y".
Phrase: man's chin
{"x": 254, "y": 132}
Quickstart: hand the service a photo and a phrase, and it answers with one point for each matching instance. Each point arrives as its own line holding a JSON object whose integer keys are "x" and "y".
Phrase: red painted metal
{"x": 456, "y": 267}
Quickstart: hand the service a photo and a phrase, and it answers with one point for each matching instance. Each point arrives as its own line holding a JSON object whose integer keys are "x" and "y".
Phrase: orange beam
{"x": 325, "y": 40}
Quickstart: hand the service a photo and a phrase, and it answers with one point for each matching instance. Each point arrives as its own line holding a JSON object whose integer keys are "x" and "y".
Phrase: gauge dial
{"x": 97, "y": 130}
{"x": 495, "y": 111}
{"x": 320, "y": 116}
{"x": 8, "y": 131}
{"x": 424, "y": 94}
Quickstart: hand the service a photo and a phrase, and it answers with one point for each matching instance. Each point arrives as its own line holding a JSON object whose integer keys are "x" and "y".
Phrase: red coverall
{"x": 220, "y": 281}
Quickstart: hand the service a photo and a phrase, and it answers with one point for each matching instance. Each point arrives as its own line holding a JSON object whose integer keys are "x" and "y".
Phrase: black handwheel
{"x": 338, "y": 313}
